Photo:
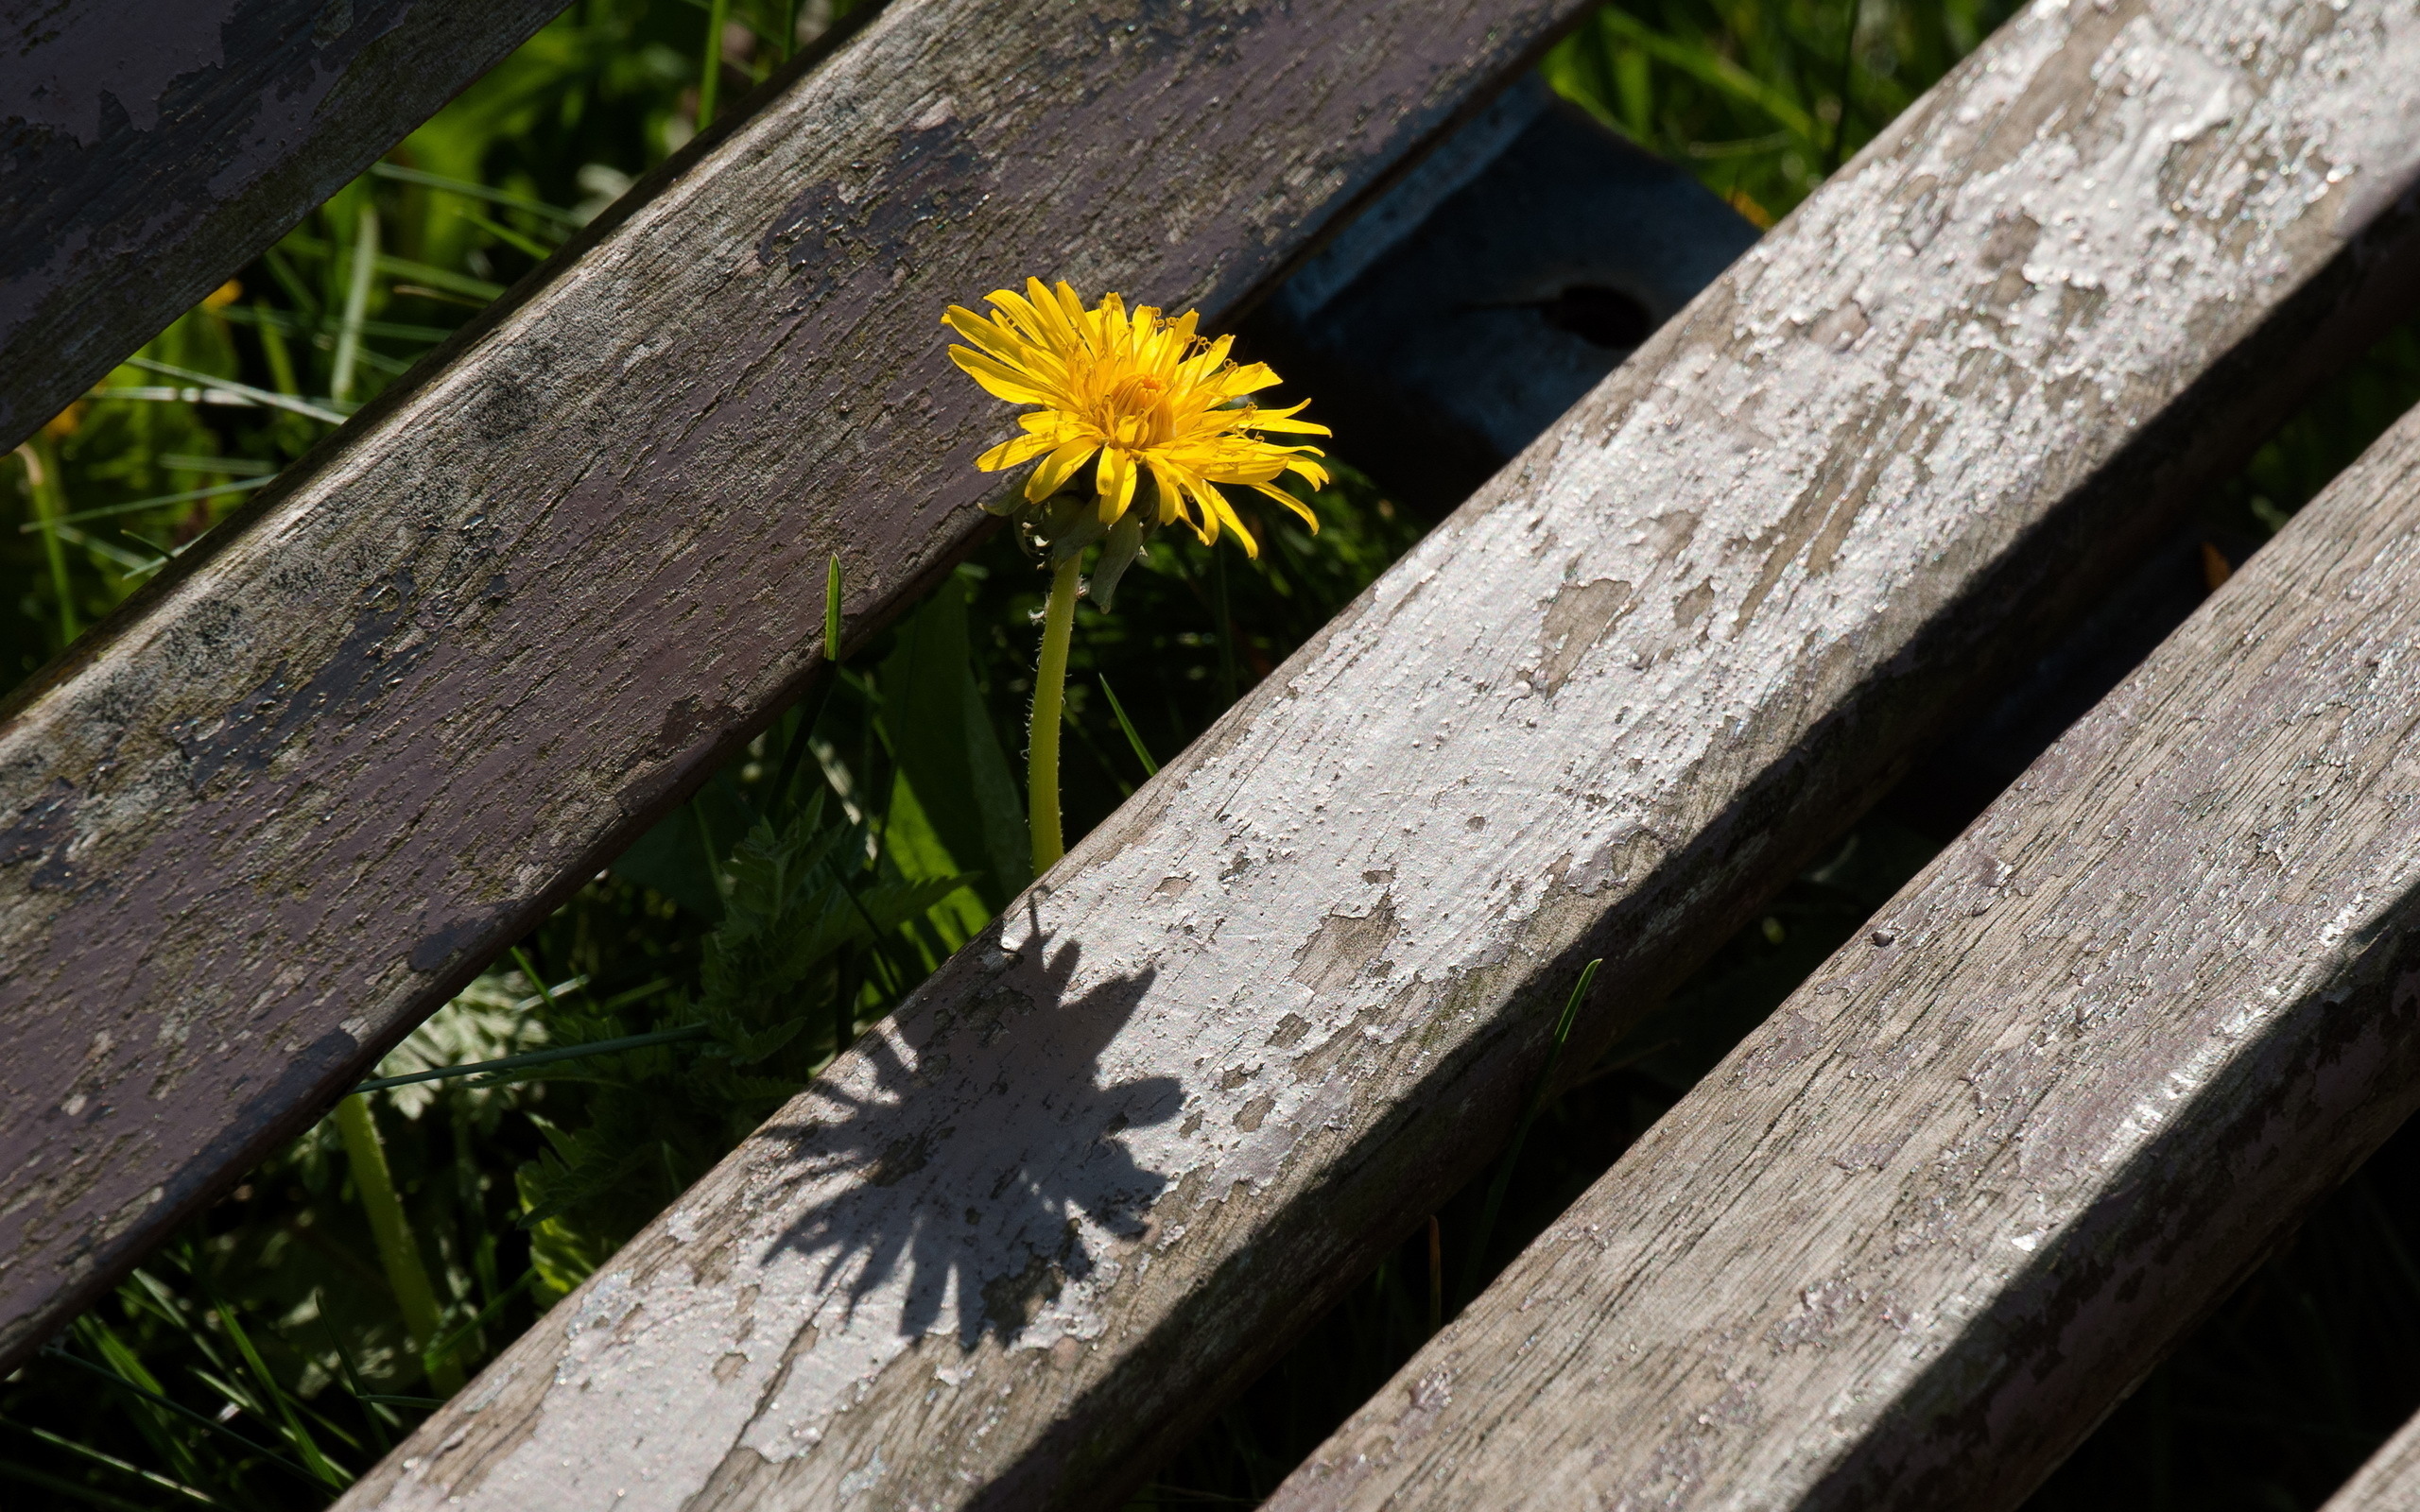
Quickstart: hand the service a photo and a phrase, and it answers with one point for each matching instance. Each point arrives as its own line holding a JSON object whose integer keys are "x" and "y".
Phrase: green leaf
{"x": 945, "y": 745}
{"x": 909, "y": 841}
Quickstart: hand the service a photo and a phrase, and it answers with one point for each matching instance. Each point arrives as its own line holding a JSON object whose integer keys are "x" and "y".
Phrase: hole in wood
{"x": 1598, "y": 315}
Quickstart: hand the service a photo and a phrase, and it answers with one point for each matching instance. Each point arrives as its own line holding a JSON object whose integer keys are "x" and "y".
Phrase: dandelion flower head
{"x": 1134, "y": 394}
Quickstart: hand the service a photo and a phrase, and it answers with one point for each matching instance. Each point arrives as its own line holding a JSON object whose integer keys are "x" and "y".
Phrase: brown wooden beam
{"x": 155, "y": 150}
{"x": 1102, "y": 1167}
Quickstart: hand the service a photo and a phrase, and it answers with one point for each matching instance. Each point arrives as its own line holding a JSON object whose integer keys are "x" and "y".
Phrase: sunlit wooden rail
{"x": 152, "y": 151}
{"x": 1926, "y": 1224}
{"x": 1042, "y": 1222}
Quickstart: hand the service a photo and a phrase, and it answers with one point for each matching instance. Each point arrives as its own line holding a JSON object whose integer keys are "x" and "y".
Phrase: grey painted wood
{"x": 1919, "y": 1231}
{"x": 154, "y": 149}
{"x": 1041, "y": 1222}
{"x": 282, "y": 805}
{"x": 2389, "y": 1480}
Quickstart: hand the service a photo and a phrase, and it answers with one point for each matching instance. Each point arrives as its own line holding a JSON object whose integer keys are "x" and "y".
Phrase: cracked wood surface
{"x": 2388, "y": 1480}
{"x": 1910, "y": 1241}
{"x": 154, "y": 149}
{"x": 1039, "y": 1224}
{"x": 286, "y": 804}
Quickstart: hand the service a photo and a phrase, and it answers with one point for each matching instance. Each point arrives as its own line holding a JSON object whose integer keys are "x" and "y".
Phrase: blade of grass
{"x": 233, "y": 467}
{"x": 529, "y": 970}
{"x": 281, "y": 268}
{"x": 1711, "y": 68}
{"x": 832, "y": 612}
{"x": 1477, "y": 1256}
{"x": 296, "y": 1434}
{"x": 518, "y": 239}
{"x": 547, "y": 995}
{"x": 710, "y": 73}
{"x": 186, "y": 496}
{"x": 50, "y": 507}
{"x": 436, "y": 278}
{"x": 537, "y": 1058}
{"x": 378, "y": 1420}
{"x": 1150, "y": 767}
{"x": 356, "y": 302}
{"x": 777, "y": 802}
{"x": 221, "y": 1428}
{"x": 287, "y": 324}
{"x": 112, "y": 1462}
{"x": 258, "y": 396}
{"x": 623, "y": 1000}
{"x": 125, "y": 561}
{"x": 30, "y": 1476}
{"x": 473, "y": 191}
{"x": 171, "y": 394}
{"x": 159, "y": 1432}
{"x": 1091, "y": 747}
{"x": 708, "y": 851}
{"x": 281, "y": 360}
{"x": 387, "y": 1400}
{"x": 1848, "y": 79}
{"x": 421, "y": 291}
{"x": 487, "y": 1315}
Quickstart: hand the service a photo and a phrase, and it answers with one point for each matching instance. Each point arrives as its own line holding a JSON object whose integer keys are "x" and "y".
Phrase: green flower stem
{"x": 1049, "y": 689}
{"x": 396, "y": 1251}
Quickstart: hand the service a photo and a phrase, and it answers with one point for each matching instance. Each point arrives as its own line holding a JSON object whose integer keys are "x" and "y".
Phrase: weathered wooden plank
{"x": 142, "y": 175}
{"x": 1920, "y": 1231}
{"x": 1040, "y": 1223}
{"x": 290, "y": 800}
{"x": 2389, "y": 1480}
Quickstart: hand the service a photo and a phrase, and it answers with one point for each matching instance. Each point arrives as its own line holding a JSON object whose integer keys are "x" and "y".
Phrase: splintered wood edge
{"x": 1923, "y": 1229}
{"x": 285, "y": 803}
{"x": 202, "y": 167}
{"x": 1042, "y": 1220}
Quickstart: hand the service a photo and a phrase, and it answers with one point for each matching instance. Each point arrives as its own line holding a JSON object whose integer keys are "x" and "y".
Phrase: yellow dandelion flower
{"x": 1133, "y": 395}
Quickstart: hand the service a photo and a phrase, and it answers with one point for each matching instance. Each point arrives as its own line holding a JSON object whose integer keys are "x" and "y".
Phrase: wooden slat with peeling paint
{"x": 1909, "y": 1242}
{"x": 376, "y": 727}
{"x": 1103, "y": 1166}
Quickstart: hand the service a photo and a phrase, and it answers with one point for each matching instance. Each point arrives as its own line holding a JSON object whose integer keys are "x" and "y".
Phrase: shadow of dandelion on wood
{"x": 1038, "y": 1179}
{"x": 958, "y": 1183}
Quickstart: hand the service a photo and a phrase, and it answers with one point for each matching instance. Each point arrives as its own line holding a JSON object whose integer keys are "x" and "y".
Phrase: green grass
{"x": 259, "y": 1360}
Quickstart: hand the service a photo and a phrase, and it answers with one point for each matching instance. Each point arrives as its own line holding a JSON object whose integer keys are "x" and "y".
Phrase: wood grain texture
{"x": 1097, "y": 1171}
{"x": 2388, "y": 1480}
{"x": 154, "y": 149}
{"x": 1920, "y": 1231}
{"x": 295, "y": 796}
